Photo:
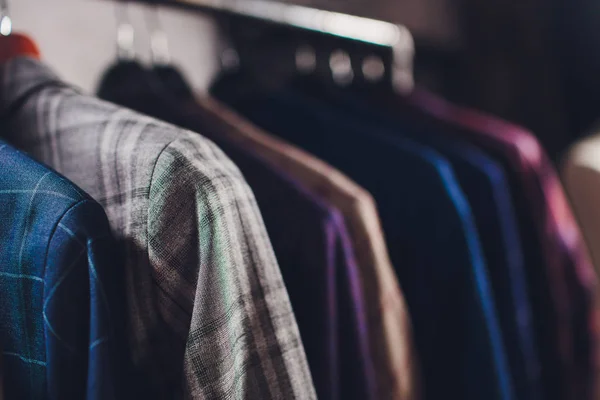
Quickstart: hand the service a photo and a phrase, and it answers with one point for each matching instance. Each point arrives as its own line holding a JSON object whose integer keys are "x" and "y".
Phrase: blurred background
{"x": 530, "y": 62}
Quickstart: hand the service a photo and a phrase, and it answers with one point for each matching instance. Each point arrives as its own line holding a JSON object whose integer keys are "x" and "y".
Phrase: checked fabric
{"x": 60, "y": 321}
{"x": 209, "y": 315}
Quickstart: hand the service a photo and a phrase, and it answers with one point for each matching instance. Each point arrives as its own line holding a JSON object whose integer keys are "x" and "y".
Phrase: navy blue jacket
{"x": 60, "y": 287}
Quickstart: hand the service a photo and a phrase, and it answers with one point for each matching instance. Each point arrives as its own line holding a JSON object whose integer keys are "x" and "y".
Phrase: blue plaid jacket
{"x": 59, "y": 287}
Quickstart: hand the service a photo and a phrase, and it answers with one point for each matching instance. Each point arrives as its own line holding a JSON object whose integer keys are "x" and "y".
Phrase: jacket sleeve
{"x": 83, "y": 296}
{"x": 218, "y": 269}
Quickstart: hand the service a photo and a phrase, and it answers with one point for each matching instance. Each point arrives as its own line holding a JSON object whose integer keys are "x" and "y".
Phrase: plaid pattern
{"x": 389, "y": 326}
{"x": 59, "y": 320}
{"x": 575, "y": 307}
{"x": 208, "y": 312}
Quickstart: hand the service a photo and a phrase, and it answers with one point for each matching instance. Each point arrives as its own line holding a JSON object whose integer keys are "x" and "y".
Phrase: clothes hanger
{"x": 283, "y": 47}
{"x": 131, "y": 84}
{"x": 168, "y": 74}
{"x": 127, "y": 76}
{"x": 14, "y": 44}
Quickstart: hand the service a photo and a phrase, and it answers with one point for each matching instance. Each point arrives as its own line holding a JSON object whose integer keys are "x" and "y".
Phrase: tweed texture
{"x": 209, "y": 315}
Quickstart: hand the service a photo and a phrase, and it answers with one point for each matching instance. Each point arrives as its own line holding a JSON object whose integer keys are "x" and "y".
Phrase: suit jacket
{"x": 61, "y": 325}
{"x": 209, "y": 314}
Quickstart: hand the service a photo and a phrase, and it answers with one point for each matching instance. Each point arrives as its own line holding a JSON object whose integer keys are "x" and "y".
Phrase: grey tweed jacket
{"x": 209, "y": 315}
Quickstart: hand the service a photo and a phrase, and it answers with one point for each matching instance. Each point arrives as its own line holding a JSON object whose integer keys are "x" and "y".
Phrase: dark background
{"x": 533, "y": 62}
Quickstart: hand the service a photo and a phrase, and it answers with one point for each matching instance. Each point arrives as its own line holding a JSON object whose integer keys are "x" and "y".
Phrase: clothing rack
{"x": 395, "y": 38}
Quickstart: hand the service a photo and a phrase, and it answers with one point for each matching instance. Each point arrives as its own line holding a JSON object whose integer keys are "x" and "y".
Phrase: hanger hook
{"x": 125, "y": 33}
{"x": 5, "y": 20}
{"x": 159, "y": 42}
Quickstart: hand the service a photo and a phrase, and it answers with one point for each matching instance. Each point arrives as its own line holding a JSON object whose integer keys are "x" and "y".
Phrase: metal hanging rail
{"x": 327, "y": 22}
{"x": 366, "y": 30}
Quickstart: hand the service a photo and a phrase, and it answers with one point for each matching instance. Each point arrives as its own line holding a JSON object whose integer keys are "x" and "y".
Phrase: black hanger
{"x": 275, "y": 55}
{"x": 170, "y": 76}
{"x": 173, "y": 80}
{"x": 128, "y": 82}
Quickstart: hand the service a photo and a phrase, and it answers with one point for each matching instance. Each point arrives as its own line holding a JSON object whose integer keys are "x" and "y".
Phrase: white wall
{"x": 78, "y": 37}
